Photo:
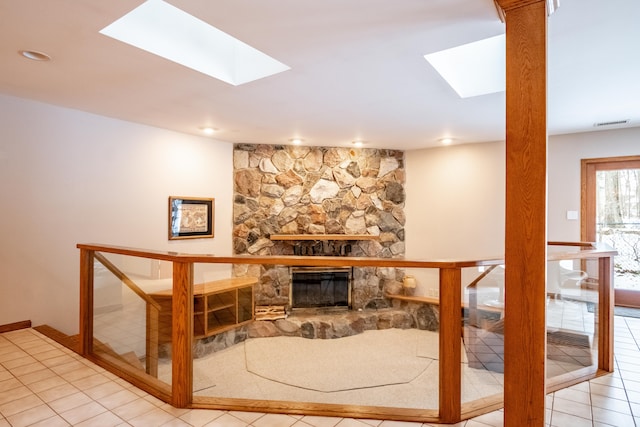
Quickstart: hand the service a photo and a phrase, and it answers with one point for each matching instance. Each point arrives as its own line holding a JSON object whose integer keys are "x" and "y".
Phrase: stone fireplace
{"x": 319, "y": 191}
{"x": 320, "y": 288}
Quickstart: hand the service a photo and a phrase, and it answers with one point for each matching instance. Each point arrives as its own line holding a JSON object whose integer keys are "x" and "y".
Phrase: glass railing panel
{"x": 382, "y": 353}
{"x": 483, "y": 333}
{"x": 572, "y": 307}
{"x": 129, "y": 322}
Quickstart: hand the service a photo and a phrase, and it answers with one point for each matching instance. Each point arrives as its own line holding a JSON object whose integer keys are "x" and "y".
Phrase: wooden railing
{"x": 450, "y": 405}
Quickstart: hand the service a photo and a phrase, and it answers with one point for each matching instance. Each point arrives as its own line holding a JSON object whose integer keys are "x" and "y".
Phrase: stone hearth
{"x": 326, "y": 325}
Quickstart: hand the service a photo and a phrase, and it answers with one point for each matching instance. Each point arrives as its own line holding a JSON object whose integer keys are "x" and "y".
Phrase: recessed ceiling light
{"x": 164, "y": 30}
{"x": 208, "y": 130}
{"x": 473, "y": 69}
{"x": 34, "y": 55}
{"x": 446, "y": 141}
{"x": 296, "y": 141}
{"x": 358, "y": 143}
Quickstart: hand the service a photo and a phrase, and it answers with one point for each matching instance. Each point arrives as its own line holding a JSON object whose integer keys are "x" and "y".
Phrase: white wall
{"x": 455, "y": 202}
{"x": 565, "y": 153}
{"x": 69, "y": 177}
{"x": 455, "y": 195}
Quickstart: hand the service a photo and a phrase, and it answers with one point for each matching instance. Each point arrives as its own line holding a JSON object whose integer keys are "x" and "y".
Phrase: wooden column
{"x": 526, "y": 212}
{"x": 450, "y": 346}
{"x": 182, "y": 334}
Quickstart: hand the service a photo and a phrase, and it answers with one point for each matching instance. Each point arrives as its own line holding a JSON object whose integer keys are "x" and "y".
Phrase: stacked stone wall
{"x": 319, "y": 190}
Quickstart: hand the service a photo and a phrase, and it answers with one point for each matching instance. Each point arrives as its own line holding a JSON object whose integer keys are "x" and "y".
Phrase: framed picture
{"x": 190, "y": 217}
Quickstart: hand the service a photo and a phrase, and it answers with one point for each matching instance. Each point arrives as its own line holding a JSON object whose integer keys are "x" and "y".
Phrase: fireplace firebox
{"x": 320, "y": 287}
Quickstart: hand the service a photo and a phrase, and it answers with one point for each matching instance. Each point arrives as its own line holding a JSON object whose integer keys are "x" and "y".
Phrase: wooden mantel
{"x": 318, "y": 237}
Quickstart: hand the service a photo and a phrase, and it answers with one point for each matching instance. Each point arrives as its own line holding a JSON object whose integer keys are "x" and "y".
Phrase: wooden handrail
{"x": 598, "y": 250}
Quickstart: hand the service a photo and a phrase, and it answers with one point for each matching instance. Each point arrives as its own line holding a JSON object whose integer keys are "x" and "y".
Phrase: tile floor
{"x": 45, "y": 384}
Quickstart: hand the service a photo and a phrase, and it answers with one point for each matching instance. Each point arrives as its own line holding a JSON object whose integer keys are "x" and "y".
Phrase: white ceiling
{"x": 357, "y": 69}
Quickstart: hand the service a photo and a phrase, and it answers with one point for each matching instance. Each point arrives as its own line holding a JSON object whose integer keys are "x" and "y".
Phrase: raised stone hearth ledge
{"x": 332, "y": 325}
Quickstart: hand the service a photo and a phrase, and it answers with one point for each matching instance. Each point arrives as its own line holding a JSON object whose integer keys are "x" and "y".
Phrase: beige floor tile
{"x": 247, "y": 417}
{"x": 90, "y": 381}
{"x": 14, "y": 394}
{"x": 321, "y": 421}
{"x": 45, "y": 384}
{"x": 155, "y": 417}
{"x": 200, "y": 417}
{"x": 492, "y": 418}
{"x": 9, "y": 384}
{"x": 559, "y": 419}
{"x": 20, "y": 405}
{"x": 57, "y": 392}
{"x": 177, "y": 412}
{"x": 400, "y": 424}
{"x": 574, "y": 396}
{"x": 119, "y": 398}
{"x": 51, "y": 354}
{"x": 274, "y": 420}
{"x": 176, "y": 422}
{"x": 55, "y": 421}
{"x": 21, "y": 359}
{"x": 106, "y": 419}
{"x": 604, "y": 390}
{"x": 27, "y": 369}
{"x": 133, "y": 409}
{"x": 102, "y": 390}
{"x": 611, "y": 417}
{"x": 36, "y": 375}
{"x": 67, "y": 364}
{"x": 227, "y": 420}
{"x": 69, "y": 402}
{"x": 571, "y": 408}
{"x": 350, "y": 422}
{"x": 81, "y": 413}
{"x": 31, "y": 416}
{"x": 604, "y": 402}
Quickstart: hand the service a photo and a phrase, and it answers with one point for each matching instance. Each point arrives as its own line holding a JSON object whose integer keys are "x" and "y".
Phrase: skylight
{"x": 164, "y": 30}
{"x": 473, "y": 69}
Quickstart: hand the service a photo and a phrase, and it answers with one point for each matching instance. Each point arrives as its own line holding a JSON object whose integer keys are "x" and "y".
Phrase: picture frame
{"x": 191, "y": 217}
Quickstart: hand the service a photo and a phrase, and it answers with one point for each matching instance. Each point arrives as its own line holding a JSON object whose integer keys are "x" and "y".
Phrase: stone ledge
{"x": 331, "y": 325}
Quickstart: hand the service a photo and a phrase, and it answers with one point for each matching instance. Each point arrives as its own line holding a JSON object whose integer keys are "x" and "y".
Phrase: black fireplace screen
{"x": 320, "y": 287}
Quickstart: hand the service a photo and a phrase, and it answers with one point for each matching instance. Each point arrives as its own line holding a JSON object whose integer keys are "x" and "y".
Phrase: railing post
{"x": 86, "y": 302}
{"x": 151, "y": 343}
{"x": 182, "y": 334}
{"x": 605, "y": 313}
{"x": 450, "y": 376}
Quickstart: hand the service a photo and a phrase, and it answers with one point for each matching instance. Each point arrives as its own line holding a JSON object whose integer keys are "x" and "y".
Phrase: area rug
{"x": 330, "y": 365}
{"x": 618, "y": 311}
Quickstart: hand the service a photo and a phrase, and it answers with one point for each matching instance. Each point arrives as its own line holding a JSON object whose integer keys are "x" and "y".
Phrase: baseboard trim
{"x": 15, "y": 326}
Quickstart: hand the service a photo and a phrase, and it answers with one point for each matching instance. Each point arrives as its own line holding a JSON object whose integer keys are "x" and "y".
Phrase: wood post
{"x": 605, "y": 314}
{"x": 526, "y": 213}
{"x": 182, "y": 334}
{"x": 450, "y": 345}
{"x": 86, "y": 302}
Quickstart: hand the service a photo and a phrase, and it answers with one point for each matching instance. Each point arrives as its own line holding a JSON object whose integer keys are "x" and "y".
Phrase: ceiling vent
{"x": 612, "y": 123}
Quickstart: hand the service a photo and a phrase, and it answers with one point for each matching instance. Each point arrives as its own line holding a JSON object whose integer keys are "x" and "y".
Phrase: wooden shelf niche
{"x": 217, "y": 306}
